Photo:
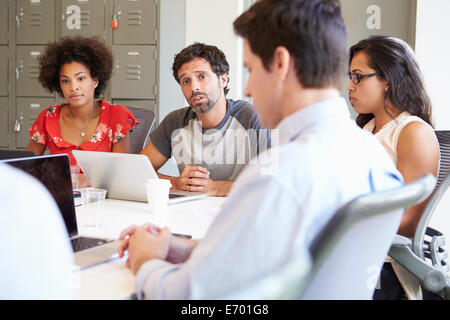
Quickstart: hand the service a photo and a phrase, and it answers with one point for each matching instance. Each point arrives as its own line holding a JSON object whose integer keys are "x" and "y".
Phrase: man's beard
{"x": 202, "y": 107}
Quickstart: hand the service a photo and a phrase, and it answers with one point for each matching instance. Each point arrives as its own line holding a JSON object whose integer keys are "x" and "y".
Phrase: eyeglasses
{"x": 356, "y": 77}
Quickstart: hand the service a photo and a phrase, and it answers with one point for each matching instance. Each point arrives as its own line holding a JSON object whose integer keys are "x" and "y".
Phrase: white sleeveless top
{"x": 388, "y": 135}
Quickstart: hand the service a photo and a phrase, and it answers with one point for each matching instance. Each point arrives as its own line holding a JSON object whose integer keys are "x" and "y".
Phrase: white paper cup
{"x": 94, "y": 202}
{"x": 157, "y": 197}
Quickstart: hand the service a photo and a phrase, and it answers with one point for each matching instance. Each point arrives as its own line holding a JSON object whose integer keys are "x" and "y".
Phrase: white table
{"x": 113, "y": 280}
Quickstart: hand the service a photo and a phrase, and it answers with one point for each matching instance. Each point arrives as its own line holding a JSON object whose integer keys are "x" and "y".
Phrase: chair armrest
{"x": 430, "y": 278}
{"x": 401, "y": 241}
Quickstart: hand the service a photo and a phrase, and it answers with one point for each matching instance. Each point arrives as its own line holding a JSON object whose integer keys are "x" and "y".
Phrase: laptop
{"x": 124, "y": 175}
{"x": 53, "y": 171}
{"x": 12, "y": 154}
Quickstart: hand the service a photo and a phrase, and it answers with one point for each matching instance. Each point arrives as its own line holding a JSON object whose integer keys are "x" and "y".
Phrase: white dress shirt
{"x": 36, "y": 256}
{"x": 278, "y": 204}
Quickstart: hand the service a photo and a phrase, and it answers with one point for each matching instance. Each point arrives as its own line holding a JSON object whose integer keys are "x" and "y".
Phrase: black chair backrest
{"x": 419, "y": 247}
{"x": 13, "y": 154}
{"x": 140, "y": 134}
{"x": 443, "y": 137}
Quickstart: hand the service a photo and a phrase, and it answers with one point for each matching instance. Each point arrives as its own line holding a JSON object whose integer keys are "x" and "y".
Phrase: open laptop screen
{"x": 53, "y": 171}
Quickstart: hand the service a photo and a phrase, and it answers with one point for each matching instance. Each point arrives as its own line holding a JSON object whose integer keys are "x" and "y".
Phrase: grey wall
{"x": 364, "y": 18}
{"x": 171, "y": 41}
{"x": 395, "y": 18}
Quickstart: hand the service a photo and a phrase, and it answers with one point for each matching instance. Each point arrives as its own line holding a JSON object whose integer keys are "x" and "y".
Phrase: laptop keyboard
{"x": 83, "y": 243}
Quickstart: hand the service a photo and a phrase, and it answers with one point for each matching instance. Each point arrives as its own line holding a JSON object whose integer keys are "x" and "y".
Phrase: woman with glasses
{"x": 386, "y": 89}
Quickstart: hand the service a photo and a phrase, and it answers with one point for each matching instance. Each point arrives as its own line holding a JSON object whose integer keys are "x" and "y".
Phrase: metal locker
{"x": 35, "y": 21}
{"x": 134, "y": 22}
{"x": 27, "y": 111}
{"x": 134, "y": 72}
{"x": 4, "y": 27}
{"x": 27, "y": 71}
{"x": 4, "y": 70}
{"x": 3, "y": 123}
{"x": 141, "y": 104}
{"x": 83, "y": 17}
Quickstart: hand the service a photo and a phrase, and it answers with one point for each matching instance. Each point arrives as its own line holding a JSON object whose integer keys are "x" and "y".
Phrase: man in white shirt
{"x": 295, "y": 51}
{"x": 37, "y": 259}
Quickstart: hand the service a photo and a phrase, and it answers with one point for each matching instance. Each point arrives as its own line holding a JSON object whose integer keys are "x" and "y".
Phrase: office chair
{"x": 349, "y": 252}
{"x": 139, "y": 135}
{"x": 424, "y": 256}
{"x": 287, "y": 283}
{"x": 346, "y": 257}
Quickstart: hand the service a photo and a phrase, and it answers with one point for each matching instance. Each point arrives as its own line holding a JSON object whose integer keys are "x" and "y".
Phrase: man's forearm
{"x": 220, "y": 188}
{"x": 216, "y": 188}
{"x": 180, "y": 250}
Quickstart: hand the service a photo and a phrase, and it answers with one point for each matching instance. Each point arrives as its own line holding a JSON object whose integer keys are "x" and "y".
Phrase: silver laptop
{"x": 124, "y": 175}
{"x": 53, "y": 172}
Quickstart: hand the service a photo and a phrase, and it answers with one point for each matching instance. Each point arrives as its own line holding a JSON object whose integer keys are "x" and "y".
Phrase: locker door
{"x": 4, "y": 71}
{"x": 83, "y": 17}
{"x": 3, "y": 22}
{"x": 3, "y": 123}
{"x": 136, "y": 22}
{"x": 35, "y": 21}
{"x": 134, "y": 72}
{"x": 27, "y": 111}
{"x": 27, "y": 71}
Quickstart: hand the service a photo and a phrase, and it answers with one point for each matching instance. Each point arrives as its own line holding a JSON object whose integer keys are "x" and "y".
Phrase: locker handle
{"x": 17, "y": 126}
{"x": 115, "y": 23}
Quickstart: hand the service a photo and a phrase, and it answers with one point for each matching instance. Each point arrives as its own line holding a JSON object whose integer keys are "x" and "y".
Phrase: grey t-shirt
{"x": 224, "y": 150}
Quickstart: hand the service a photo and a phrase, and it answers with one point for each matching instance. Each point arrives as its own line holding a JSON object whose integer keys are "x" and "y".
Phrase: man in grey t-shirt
{"x": 214, "y": 138}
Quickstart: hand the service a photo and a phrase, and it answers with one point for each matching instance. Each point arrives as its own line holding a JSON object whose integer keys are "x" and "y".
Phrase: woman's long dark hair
{"x": 395, "y": 62}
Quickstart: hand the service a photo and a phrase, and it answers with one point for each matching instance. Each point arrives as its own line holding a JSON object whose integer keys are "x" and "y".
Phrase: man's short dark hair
{"x": 212, "y": 54}
{"x": 313, "y": 31}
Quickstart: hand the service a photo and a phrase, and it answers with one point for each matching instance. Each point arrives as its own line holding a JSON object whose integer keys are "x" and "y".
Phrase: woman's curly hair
{"x": 91, "y": 52}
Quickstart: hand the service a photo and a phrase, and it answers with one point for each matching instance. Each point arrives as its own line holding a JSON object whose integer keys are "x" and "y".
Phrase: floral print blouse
{"x": 114, "y": 124}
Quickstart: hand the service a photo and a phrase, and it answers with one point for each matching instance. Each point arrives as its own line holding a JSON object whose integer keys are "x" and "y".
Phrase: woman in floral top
{"x": 79, "y": 69}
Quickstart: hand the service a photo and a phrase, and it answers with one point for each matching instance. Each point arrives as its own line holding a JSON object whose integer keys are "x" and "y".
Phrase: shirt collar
{"x": 292, "y": 126}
